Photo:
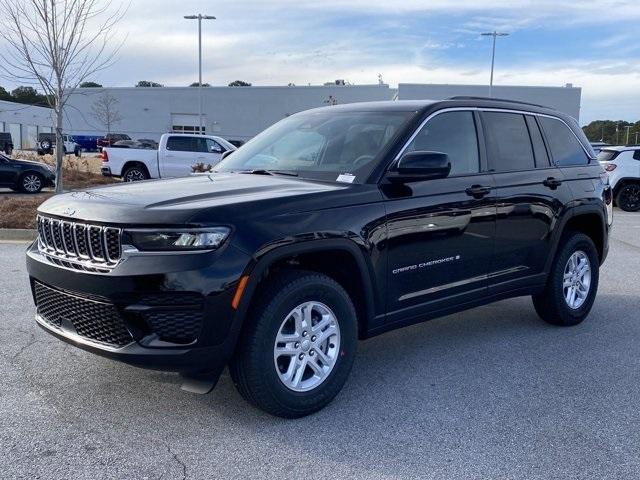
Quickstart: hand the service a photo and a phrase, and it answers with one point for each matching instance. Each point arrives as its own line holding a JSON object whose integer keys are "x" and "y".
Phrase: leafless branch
{"x": 56, "y": 45}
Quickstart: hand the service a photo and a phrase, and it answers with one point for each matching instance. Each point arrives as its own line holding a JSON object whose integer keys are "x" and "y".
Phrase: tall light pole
{"x": 628, "y": 127}
{"x": 495, "y": 35}
{"x": 200, "y": 17}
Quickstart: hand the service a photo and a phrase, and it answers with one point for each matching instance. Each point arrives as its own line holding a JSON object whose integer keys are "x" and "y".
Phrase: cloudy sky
{"x": 592, "y": 44}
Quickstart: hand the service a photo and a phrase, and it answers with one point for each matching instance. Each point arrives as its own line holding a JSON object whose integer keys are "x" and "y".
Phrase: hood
{"x": 177, "y": 200}
{"x": 30, "y": 163}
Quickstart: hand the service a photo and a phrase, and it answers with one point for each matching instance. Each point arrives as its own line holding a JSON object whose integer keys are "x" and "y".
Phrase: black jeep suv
{"x": 333, "y": 225}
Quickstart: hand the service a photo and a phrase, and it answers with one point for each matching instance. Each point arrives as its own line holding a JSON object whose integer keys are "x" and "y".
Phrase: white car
{"x": 47, "y": 142}
{"x": 177, "y": 153}
{"x": 623, "y": 166}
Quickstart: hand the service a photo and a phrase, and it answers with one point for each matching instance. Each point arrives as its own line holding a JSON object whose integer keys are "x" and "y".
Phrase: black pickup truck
{"x": 333, "y": 225}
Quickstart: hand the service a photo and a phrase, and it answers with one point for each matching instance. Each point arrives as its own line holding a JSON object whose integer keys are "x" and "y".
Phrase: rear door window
{"x": 508, "y": 142}
{"x": 182, "y": 144}
{"x": 636, "y": 155}
{"x": 565, "y": 148}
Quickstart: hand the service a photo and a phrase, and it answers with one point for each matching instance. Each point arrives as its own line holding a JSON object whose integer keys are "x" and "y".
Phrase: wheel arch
{"x": 584, "y": 219}
{"x": 622, "y": 182}
{"x": 340, "y": 259}
{"x": 134, "y": 163}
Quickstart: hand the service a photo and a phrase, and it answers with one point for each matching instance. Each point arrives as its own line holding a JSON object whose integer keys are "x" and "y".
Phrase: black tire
{"x": 135, "y": 173}
{"x": 8, "y": 151}
{"x": 628, "y": 197}
{"x": 252, "y": 367}
{"x": 45, "y": 145}
{"x": 31, "y": 182}
{"x": 77, "y": 152}
{"x": 551, "y": 304}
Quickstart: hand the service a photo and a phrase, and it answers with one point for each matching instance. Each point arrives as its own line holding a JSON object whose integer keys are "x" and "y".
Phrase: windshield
{"x": 607, "y": 155}
{"x": 325, "y": 145}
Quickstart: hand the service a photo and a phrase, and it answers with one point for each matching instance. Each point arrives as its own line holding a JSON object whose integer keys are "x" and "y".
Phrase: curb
{"x": 17, "y": 234}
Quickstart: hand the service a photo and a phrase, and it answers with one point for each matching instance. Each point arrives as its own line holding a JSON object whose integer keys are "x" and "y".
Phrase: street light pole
{"x": 493, "y": 34}
{"x": 200, "y": 17}
{"x": 628, "y": 127}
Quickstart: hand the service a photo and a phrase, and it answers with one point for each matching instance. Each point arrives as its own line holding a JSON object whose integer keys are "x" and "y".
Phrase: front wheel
{"x": 77, "y": 152}
{"x": 628, "y": 198}
{"x": 298, "y": 347}
{"x": 572, "y": 283}
{"x": 31, "y": 183}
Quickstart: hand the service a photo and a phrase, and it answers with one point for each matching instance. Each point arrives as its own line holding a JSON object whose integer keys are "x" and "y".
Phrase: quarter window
{"x": 565, "y": 148}
{"x": 453, "y": 133}
{"x": 508, "y": 142}
{"x": 636, "y": 155}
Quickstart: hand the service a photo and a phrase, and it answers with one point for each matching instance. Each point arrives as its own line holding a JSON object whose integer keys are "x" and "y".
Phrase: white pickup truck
{"x": 175, "y": 156}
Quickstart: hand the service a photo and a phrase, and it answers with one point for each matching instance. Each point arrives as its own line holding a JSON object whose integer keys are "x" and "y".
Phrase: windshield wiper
{"x": 262, "y": 171}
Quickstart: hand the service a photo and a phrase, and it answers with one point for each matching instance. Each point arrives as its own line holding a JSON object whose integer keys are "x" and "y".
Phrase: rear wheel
{"x": 572, "y": 284}
{"x": 135, "y": 173}
{"x": 31, "y": 183}
{"x": 77, "y": 152}
{"x": 298, "y": 347}
{"x": 628, "y": 198}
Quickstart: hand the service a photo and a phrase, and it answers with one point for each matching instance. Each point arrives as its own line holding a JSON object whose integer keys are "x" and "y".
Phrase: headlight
{"x": 177, "y": 240}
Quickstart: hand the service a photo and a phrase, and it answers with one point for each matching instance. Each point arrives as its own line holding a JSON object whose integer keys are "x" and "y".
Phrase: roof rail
{"x": 469, "y": 97}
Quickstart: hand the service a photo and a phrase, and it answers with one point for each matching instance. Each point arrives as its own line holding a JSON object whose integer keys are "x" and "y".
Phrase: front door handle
{"x": 478, "y": 191}
{"x": 552, "y": 183}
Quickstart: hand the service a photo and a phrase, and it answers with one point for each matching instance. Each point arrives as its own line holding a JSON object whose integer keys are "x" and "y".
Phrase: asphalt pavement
{"x": 490, "y": 393}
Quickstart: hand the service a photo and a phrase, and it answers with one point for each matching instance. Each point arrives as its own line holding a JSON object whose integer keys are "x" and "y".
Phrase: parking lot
{"x": 490, "y": 393}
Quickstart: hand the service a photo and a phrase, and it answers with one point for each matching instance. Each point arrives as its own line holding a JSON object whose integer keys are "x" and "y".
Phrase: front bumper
{"x": 178, "y": 321}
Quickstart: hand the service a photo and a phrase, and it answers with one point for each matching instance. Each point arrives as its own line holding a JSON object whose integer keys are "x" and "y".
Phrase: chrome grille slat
{"x": 79, "y": 245}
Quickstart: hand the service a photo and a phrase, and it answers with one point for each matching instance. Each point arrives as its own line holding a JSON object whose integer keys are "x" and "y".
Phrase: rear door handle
{"x": 478, "y": 191}
{"x": 552, "y": 183}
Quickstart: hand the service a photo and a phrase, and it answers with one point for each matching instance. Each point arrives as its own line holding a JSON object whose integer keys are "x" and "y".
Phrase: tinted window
{"x": 607, "y": 155}
{"x": 509, "y": 143}
{"x": 636, "y": 155}
{"x": 453, "y": 133}
{"x": 539, "y": 150}
{"x": 565, "y": 147}
{"x": 182, "y": 144}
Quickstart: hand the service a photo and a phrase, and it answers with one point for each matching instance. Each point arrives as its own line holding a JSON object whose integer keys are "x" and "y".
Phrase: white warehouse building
{"x": 239, "y": 113}
{"x": 24, "y": 123}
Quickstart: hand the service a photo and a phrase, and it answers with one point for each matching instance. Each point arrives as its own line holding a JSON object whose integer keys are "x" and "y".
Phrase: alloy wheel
{"x": 630, "y": 197}
{"x": 134, "y": 175}
{"x": 32, "y": 183}
{"x": 307, "y": 346}
{"x": 577, "y": 279}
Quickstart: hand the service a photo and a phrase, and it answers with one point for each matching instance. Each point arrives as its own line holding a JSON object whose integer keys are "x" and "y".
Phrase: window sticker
{"x": 346, "y": 178}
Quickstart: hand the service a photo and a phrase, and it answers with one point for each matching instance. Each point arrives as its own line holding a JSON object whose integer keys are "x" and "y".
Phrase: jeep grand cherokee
{"x": 333, "y": 225}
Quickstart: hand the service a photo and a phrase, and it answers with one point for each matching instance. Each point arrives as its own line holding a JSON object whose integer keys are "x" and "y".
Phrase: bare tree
{"x": 105, "y": 110}
{"x": 57, "y": 45}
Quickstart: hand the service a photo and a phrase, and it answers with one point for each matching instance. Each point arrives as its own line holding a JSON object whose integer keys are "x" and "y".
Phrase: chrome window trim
{"x": 484, "y": 109}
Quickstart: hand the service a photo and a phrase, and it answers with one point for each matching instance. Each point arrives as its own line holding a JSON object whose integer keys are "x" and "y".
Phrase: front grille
{"x": 97, "y": 321}
{"x": 79, "y": 245}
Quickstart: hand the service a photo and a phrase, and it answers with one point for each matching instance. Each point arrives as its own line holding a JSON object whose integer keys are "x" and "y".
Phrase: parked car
{"x": 334, "y": 225}
{"x": 47, "y": 144}
{"x": 24, "y": 175}
{"x": 87, "y": 142}
{"x": 174, "y": 157}
{"x": 109, "y": 139}
{"x": 6, "y": 143}
{"x": 623, "y": 166}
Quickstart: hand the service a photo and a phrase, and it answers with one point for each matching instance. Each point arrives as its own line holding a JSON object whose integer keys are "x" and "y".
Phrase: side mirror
{"x": 215, "y": 149}
{"x": 420, "y": 165}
